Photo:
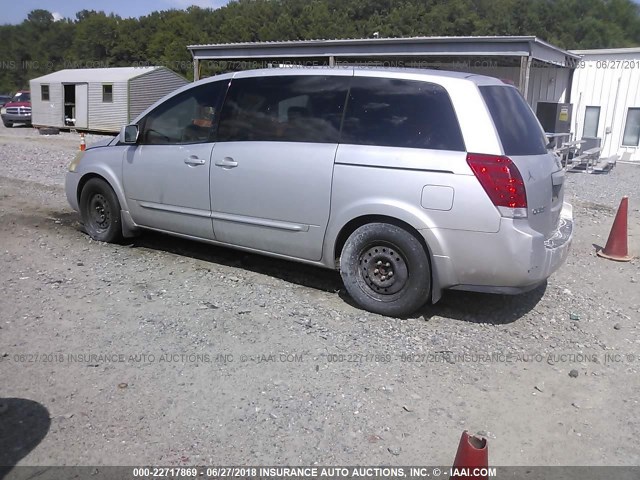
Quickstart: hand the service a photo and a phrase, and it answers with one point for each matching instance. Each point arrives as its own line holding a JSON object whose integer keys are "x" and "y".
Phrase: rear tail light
{"x": 502, "y": 181}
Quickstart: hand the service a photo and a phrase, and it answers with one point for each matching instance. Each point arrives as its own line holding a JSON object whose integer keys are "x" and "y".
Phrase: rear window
{"x": 400, "y": 113}
{"x": 518, "y": 128}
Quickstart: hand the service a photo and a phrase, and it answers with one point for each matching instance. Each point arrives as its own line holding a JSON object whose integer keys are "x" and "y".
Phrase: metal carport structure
{"x": 541, "y": 71}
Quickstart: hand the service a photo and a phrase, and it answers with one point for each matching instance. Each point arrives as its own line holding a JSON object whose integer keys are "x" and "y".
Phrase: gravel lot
{"x": 165, "y": 351}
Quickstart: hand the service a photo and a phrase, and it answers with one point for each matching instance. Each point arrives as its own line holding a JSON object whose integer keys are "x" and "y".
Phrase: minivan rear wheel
{"x": 386, "y": 269}
{"x": 100, "y": 211}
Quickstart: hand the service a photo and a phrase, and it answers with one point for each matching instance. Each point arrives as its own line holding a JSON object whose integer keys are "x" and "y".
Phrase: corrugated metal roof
{"x": 606, "y": 51}
{"x": 386, "y": 40}
{"x": 104, "y": 75}
{"x": 396, "y": 46}
{"x": 490, "y": 38}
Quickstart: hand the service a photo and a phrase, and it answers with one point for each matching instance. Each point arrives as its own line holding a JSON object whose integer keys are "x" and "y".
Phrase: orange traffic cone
{"x": 83, "y": 145}
{"x": 472, "y": 458}
{"x": 616, "y": 247}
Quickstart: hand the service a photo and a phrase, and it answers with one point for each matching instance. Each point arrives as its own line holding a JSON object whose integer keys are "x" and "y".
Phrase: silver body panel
{"x": 292, "y": 200}
{"x": 277, "y": 198}
{"x": 154, "y": 181}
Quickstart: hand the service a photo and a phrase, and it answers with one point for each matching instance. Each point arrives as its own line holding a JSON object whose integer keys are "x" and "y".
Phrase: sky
{"x": 12, "y": 11}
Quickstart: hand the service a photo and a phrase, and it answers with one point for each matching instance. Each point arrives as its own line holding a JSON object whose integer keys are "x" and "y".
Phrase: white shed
{"x": 606, "y": 98}
{"x": 98, "y": 99}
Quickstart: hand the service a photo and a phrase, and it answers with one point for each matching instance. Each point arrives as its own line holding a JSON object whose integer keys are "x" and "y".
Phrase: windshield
{"x": 21, "y": 97}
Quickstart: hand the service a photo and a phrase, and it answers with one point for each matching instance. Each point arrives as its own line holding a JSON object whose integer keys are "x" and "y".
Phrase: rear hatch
{"x": 524, "y": 142}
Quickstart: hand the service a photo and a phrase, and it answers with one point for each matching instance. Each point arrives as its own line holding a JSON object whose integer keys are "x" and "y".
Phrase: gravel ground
{"x": 213, "y": 356}
{"x": 47, "y": 155}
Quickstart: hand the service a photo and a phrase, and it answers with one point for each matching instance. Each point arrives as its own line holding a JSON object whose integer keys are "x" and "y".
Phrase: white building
{"x": 605, "y": 95}
{"x": 98, "y": 99}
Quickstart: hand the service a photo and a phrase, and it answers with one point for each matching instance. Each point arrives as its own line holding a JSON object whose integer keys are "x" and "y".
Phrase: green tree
{"x": 39, "y": 44}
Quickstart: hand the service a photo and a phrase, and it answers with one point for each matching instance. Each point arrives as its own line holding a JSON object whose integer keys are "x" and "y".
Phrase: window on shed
{"x": 631, "y": 136}
{"x": 591, "y": 120}
{"x": 107, "y": 93}
{"x": 44, "y": 93}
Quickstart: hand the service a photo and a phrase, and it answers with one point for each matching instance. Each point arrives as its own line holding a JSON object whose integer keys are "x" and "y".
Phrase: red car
{"x": 17, "y": 110}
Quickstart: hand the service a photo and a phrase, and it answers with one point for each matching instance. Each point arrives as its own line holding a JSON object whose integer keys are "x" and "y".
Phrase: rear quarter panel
{"x": 390, "y": 181}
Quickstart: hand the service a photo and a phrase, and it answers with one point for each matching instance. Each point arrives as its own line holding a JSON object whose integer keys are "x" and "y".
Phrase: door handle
{"x": 194, "y": 161}
{"x": 227, "y": 162}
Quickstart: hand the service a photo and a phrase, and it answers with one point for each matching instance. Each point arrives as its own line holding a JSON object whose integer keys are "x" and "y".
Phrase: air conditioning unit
{"x": 555, "y": 117}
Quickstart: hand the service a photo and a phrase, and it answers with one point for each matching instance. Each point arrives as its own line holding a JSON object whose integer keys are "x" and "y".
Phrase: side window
{"x": 288, "y": 108}
{"x": 631, "y": 136}
{"x": 400, "y": 113}
{"x": 107, "y": 93}
{"x": 190, "y": 117}
{"x": 44, "y": 93}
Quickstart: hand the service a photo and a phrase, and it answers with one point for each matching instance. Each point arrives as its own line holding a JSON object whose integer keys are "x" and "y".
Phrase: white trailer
{"x": 606, "y": 98}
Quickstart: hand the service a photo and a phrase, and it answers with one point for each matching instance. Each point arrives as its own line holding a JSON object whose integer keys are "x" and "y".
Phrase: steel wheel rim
{"x": 382, "y": 269}
{"x": 99, "y": 212}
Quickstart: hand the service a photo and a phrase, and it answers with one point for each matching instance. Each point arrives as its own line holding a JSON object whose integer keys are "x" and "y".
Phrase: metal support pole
{"x": 196, "y": 69}
{"x": 525, "y": 73}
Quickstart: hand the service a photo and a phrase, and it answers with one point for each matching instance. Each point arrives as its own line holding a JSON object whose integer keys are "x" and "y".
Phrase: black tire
{"x": 8, "y": 124}
{"x": 374, "y": 251}
{"x": 49, "y": 131}
{"x": 100, "y": 211}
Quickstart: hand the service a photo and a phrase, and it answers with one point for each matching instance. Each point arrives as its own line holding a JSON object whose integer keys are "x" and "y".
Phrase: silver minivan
{"x": 406, "y": 181}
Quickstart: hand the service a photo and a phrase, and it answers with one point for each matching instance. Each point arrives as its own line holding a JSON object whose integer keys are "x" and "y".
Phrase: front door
{"x": 272, "y": 166}
{"x": 82, "y": 103}
{"x": 166, "y": 175}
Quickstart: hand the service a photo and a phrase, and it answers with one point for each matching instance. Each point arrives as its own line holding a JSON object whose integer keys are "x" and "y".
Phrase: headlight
{"x": 3, "y": 111}
{"x": 73, "y": 165}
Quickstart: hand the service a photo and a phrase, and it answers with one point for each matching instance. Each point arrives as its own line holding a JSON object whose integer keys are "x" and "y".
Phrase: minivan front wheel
{"x": 386, "y": 269}
{"x": 100, "y": 211}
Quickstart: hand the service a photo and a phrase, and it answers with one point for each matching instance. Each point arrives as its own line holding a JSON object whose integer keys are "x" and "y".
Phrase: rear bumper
{"x": 513, "y": 260}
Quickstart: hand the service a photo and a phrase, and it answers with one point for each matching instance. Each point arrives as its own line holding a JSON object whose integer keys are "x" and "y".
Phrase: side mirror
{"x": 129, "y": 134}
